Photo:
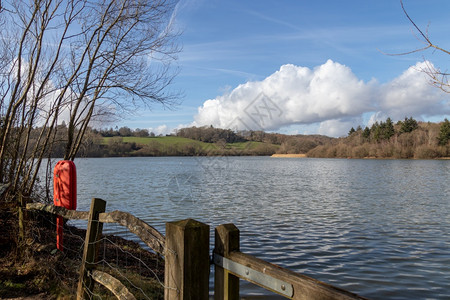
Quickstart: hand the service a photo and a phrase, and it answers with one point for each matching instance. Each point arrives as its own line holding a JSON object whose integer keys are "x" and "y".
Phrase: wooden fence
{"x": 96, "y": 217}
{"x": 187, "y": 260}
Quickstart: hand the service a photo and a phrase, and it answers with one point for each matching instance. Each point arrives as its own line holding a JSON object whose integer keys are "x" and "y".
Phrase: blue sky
{"x": 318, "y": 64}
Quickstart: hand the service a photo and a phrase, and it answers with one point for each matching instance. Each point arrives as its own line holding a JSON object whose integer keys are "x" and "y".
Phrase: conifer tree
{"x": 408, "y": 125}
{"x": 352, "y": 131}
{"x": 444, "y": 133}
{"x": 388, "y": 129}
{"x": 366, "y": 133}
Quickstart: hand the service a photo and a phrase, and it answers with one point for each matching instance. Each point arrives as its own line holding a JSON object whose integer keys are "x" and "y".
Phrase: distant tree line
{"x": 209, "y": 134}
{"x": 385, "y": 130}
{"x": 124, "y": 131}
{"x": 405, "y": 139}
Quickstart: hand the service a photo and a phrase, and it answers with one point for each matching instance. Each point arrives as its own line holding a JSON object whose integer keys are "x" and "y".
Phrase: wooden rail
{"x": 112, "y": 284}
{"x": 231, "y": 264}
{"x": 304, "y": 287}
{"x": 148, "y": 234}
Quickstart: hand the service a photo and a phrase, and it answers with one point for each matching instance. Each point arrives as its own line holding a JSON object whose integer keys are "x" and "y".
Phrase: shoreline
{"x": 302, "y": 155}
{"x": 276, "y": 155}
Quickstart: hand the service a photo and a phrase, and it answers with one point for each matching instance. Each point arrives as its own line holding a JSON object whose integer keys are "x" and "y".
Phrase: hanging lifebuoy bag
{"x": 64, "y": 193}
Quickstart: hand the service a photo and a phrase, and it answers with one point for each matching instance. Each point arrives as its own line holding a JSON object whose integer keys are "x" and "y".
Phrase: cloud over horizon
{"x": 330, "y": 96}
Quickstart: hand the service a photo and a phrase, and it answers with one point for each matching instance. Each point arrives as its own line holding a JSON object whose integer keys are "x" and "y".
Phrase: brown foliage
{"x": 422, "y": 143}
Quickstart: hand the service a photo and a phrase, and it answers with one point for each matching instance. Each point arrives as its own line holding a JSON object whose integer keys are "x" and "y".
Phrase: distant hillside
{"x": 179, "y": 146}
{"x": 405, "y": 139}
{"x": 196, "y": 141}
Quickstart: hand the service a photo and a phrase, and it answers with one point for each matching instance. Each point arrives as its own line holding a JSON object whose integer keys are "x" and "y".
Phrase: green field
{"x": 171, "y": 145}
{"x": 175, "y": 140}
{"x": 163, "y": 140}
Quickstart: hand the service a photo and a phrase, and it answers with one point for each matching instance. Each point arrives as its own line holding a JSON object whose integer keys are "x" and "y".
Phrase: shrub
{"x": 360, "y": 151}
{"x": 426, "y": 152}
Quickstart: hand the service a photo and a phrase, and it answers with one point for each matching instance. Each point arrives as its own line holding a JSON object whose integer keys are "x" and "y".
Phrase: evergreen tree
{"x": 366, "y": 133}
{"x": 352, "y": 131}
{"x": 388, "y": 129}
{"x": 375, "y": 131}
{"x": 444, "y": 133}
{"x": 408, "y": 125}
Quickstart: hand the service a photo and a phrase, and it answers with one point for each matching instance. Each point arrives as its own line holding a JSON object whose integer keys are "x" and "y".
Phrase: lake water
{"x": 379, "y": 228}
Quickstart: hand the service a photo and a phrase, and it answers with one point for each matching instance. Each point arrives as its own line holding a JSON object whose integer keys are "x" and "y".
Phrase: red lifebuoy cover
{"x": 65, "y": 184}
{"x": 64, "y": 193}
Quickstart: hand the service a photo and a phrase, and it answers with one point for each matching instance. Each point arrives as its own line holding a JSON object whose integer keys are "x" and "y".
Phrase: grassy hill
{"x": 165, "y": 140}
{"x": 386, "y": 139}
{"x": 180, "y": 146}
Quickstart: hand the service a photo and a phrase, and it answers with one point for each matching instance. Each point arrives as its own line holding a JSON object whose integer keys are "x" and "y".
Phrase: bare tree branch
{"x": 76, "y": 58}
{"x": 437, "y": 77}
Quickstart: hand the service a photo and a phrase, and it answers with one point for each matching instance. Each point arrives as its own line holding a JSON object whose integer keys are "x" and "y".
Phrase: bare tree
{"x": 437, "y": 77}
{"x": 76, "y": 60}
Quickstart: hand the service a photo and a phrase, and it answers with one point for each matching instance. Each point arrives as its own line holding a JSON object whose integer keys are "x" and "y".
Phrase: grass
{"x": 173, "y": 145}
{"x": 165, "y": 140}
{"x": 181, "y": 141}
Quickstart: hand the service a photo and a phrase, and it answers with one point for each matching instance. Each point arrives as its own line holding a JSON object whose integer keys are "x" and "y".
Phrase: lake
{"x": 378, "y": 228}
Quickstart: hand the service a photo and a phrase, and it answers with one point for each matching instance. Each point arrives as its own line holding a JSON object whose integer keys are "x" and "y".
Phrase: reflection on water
{"x": 379, "y": 228}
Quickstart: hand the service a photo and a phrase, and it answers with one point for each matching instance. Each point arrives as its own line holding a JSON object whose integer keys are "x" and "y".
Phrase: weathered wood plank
{"x": 59, "y": 210}
{"x": 186, "y": 275}
{"x": 112, "y": 284}
{"x": 226, "y": 285}
{"x": 91, "y": 246}
{"x": 148, "y": 234}
{"x": 22, "y": 217}
{"x": 305, "y": 288}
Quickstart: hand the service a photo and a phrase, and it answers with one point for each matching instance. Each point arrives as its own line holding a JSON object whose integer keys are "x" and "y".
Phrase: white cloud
{"x": 338, "y": 127}
{"x": 161, "y": 130}
{"x": 329, "y": 95}
{"x": 411, "y": 94}
{"x": 379, "y": 116}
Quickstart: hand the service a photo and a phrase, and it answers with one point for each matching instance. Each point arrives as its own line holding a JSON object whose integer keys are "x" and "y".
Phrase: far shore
{"x": 289, "y": 155}
{"x": 303, "y": 155}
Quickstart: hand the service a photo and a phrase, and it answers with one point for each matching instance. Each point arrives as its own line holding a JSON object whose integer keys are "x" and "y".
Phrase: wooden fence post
{"x": 22, "y": 217}
{"x": 186, "y": 260}
{"x": 226, "y": 285}
{"x": 91, "y": 246}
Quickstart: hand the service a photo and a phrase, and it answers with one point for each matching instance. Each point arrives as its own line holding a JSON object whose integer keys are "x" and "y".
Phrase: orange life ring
{"x": 64, "y": 193}
{"x": 65, "y": 184}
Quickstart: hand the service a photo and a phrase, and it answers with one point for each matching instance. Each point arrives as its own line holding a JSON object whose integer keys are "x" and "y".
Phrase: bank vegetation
{"x": 403, "y": 140}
